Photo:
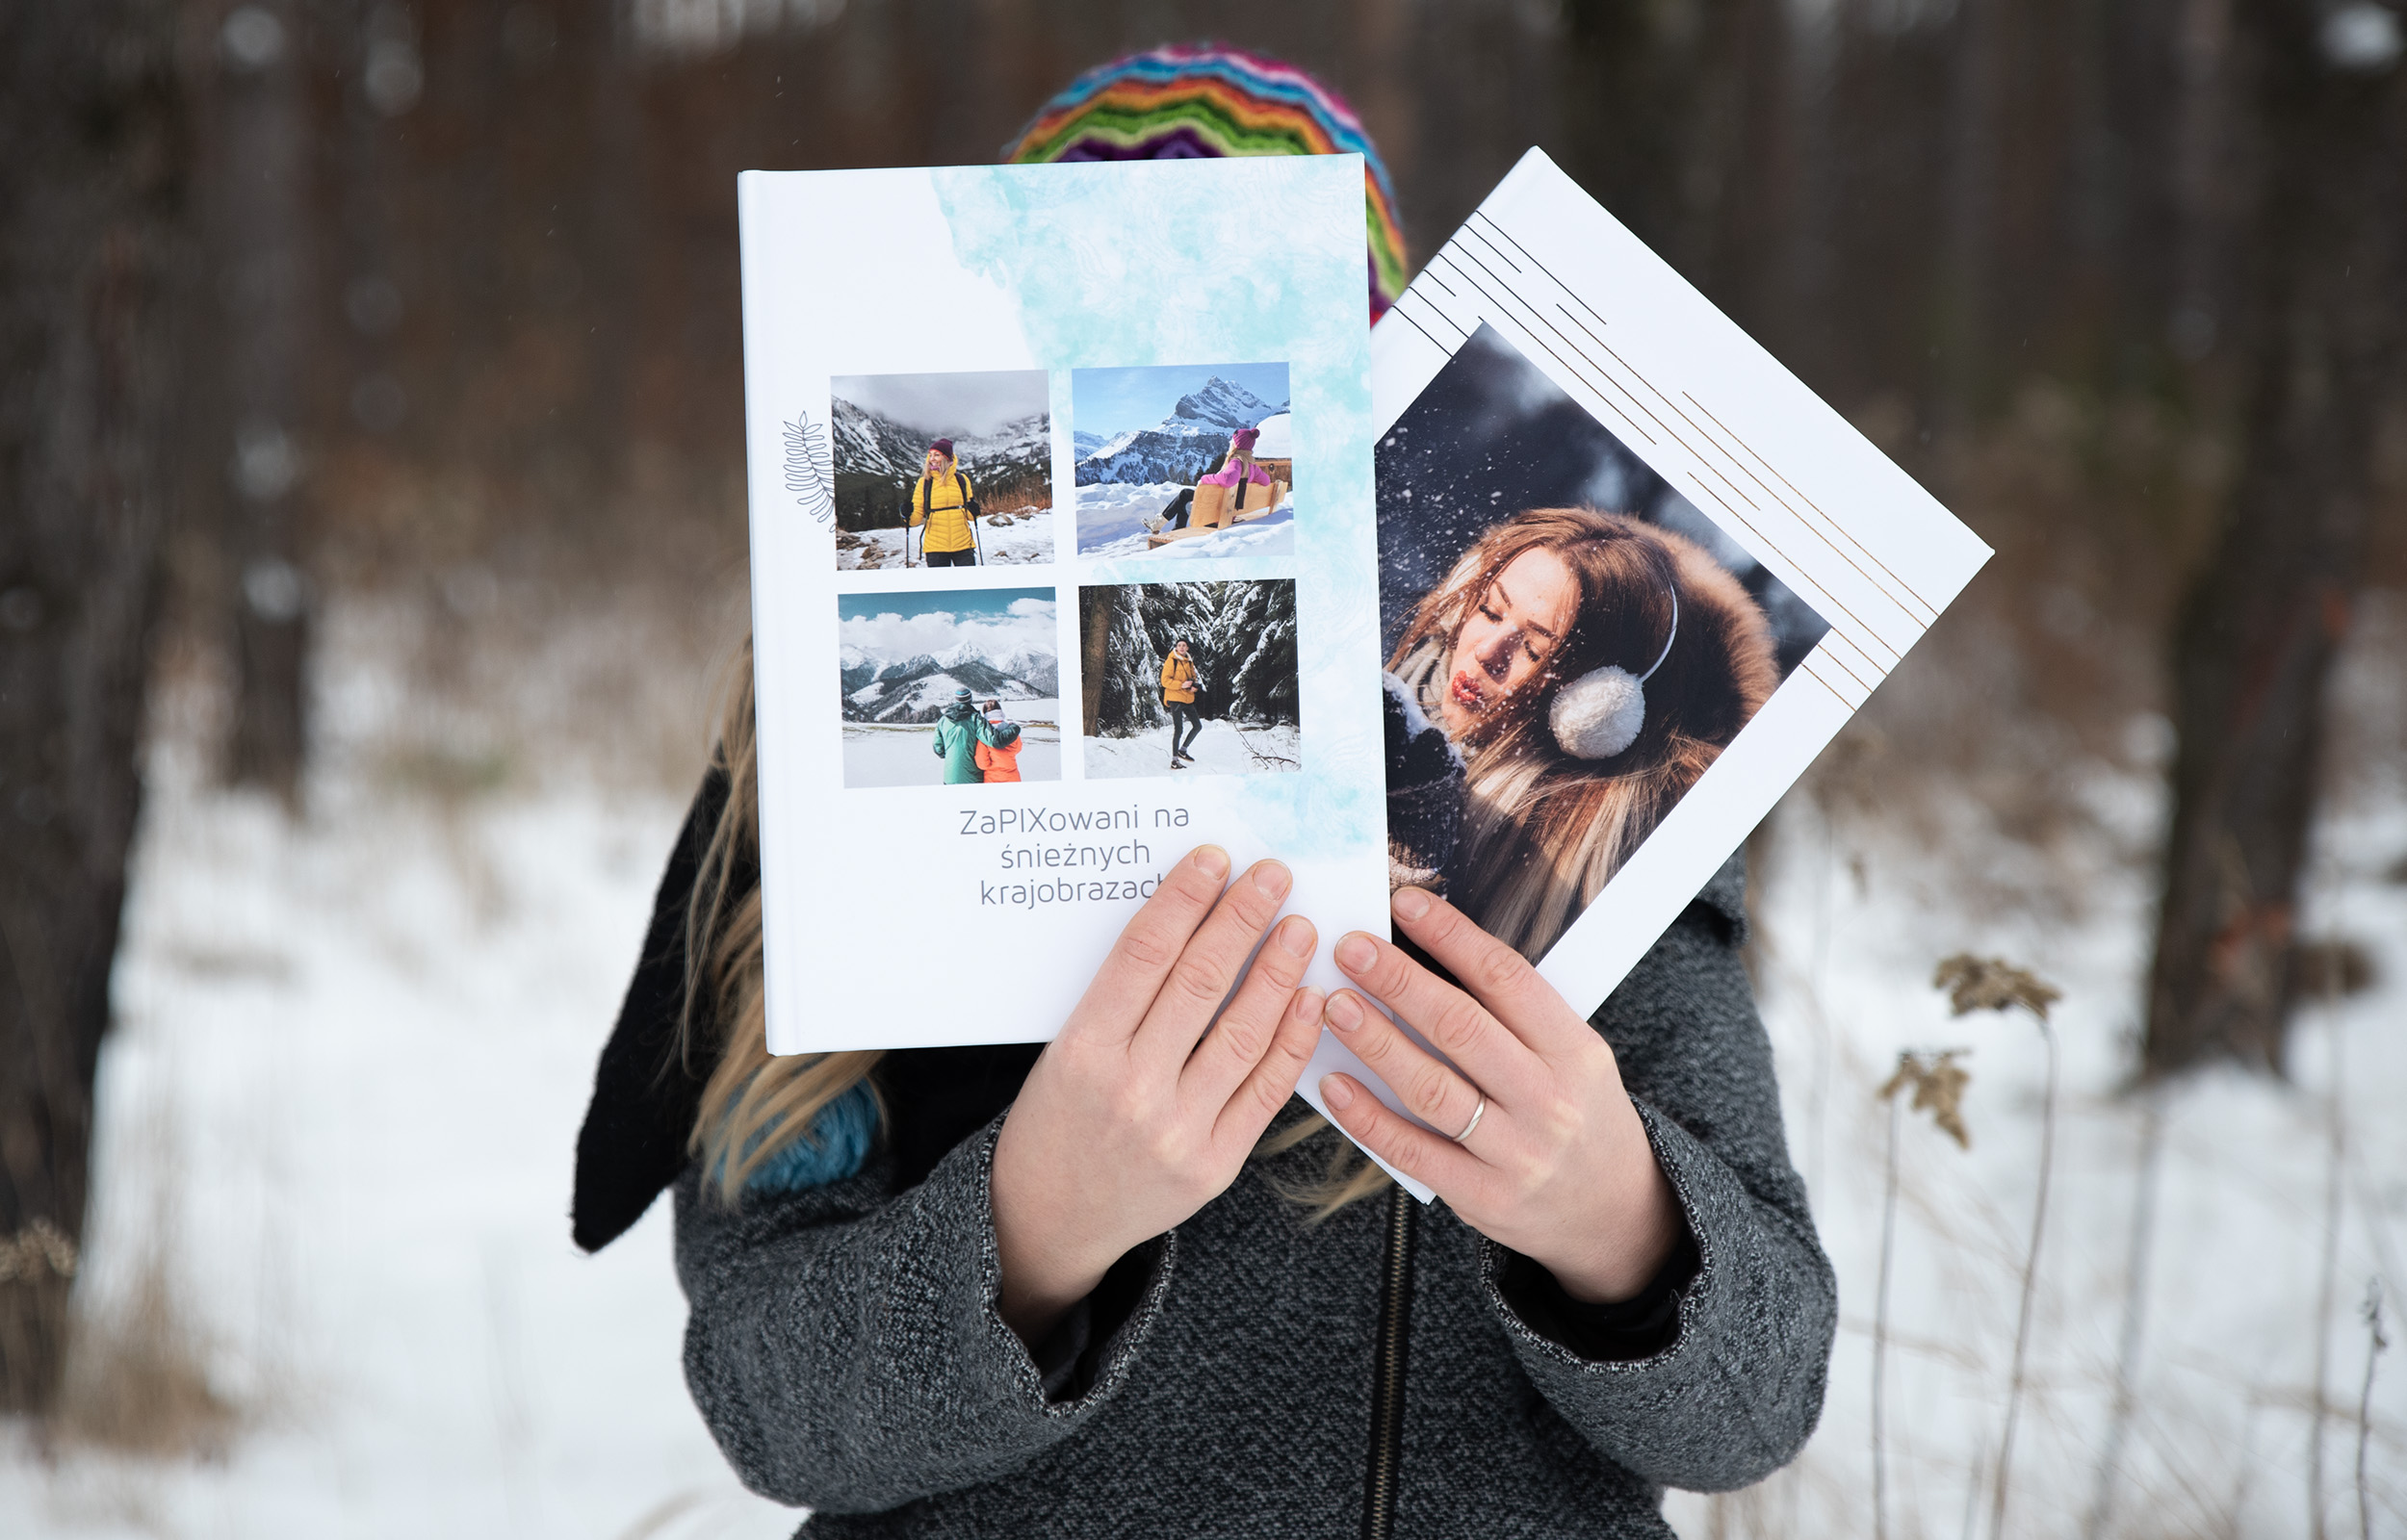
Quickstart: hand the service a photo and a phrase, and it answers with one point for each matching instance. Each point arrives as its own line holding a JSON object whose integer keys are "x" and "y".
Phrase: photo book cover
{"x": 1633, "y": 576}
{"x": 1064, "y": 563}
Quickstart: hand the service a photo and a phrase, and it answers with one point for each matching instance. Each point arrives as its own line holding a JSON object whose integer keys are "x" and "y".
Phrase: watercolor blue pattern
{"x": 1116, "y": 264}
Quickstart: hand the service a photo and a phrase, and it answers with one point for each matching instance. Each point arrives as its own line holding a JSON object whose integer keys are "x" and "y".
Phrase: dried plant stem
{"x": 2030, "y": 1284}
{"x": 2327, "y": 1287}
{"x": 2134, "y": 1313}
{"x": 2376, "y": 1341}
{"x": 1880, "y": 1338}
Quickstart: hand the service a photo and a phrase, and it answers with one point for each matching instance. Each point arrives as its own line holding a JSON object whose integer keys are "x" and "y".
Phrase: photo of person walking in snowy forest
{"x": 1189, "y": 676}
{"x": 943, "y": 470}
{"x": 1560, "y": 676}
{"x": 1178, "y": 460}
{"x": 1179, "y": 681}
{"x": 916, "y": 666}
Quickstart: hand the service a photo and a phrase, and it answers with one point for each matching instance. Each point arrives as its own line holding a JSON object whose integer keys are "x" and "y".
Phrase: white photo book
{"x": 1063, "y": 563}
{"x": 1633, "y": 576}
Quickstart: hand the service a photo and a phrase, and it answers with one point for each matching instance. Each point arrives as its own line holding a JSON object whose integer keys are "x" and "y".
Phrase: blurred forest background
{"x": 372, "y": 435}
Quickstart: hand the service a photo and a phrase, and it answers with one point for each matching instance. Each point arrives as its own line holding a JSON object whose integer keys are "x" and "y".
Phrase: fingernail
{"x": 1306, "y": 1004}
{"x": 1342, "y": 1013}
{"x": 1211, "y": 860}
{"x": 1296, "y": 935}
{"x": 1337, "y": 1092}
{"x": 1409, "y": 903}
{"x": 1273, "y": 879}
{"x": 1355, "y": 954}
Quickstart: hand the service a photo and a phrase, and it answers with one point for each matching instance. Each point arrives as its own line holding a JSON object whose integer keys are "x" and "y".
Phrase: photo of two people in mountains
{"x": 950, "y": 687}
{"x": 978, "y": 743}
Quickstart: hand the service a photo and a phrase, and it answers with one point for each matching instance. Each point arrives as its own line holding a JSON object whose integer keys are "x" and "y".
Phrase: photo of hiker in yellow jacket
{"x": 943, "y": 501}
{"x": 1179, "y": 681}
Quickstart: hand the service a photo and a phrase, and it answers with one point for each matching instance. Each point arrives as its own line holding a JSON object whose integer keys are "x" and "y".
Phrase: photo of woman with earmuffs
{"x": 1559, "y": 676}
{"x": 1548, "y": 705}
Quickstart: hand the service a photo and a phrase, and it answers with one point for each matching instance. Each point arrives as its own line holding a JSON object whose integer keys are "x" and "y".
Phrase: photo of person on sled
{"x": 1242, "y": 489}
{"x": 1185, "y": 461}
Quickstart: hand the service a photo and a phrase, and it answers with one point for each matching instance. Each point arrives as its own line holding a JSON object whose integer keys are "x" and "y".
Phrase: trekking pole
{"x": 976, "y": 541}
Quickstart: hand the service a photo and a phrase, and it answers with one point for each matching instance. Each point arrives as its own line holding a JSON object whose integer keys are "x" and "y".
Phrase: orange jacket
{"x": 1179, "y": 679}
{"x": 1001, "y": 763}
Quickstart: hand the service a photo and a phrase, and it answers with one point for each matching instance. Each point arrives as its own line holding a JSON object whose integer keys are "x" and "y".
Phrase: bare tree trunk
{"x": 1096, "y": 608}
{"x": 90, "y": 177}
{"x": 2261, "y": 624}
{"x": 258, "y": 177}
{"x": 1970, "y": 198}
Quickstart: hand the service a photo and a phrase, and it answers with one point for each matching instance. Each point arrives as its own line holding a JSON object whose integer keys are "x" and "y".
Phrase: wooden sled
{"x": 1213, "y": 511}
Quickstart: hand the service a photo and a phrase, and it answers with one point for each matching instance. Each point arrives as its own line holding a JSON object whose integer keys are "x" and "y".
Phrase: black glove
{"x": 1424, "y": 792}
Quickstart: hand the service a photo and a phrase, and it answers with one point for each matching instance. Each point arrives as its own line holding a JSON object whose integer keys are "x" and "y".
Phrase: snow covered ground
{"x": 353, "y": 1051}
{"x": 340, "y": 1106}
{"x": 1111, "y": 524}
{"x": 1222, "y": 748}
{"x": 879, "y": 753}
{"x": 1023, "y": 541}
{"x": 2216, "y": 1197}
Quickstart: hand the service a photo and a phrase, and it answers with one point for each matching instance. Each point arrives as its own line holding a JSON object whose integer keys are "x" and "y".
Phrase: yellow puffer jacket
{"x": 1179, "y": 678}
{"x": 943, "y": 504}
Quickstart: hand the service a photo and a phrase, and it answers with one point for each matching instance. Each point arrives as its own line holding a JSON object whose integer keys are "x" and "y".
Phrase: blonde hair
{"x": 756, "y": 1103}
{"x": 1542, "y": 831}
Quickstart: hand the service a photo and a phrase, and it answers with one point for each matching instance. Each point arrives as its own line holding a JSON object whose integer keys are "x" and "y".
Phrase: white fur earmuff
{"x": 1602, "y": 712}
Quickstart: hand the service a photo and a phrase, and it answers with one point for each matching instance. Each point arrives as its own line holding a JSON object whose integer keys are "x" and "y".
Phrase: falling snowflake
{"x": 809, "y": 468}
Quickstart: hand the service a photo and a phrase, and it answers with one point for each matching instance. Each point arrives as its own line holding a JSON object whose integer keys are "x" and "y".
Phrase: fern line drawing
{"x": 810, "y": 468}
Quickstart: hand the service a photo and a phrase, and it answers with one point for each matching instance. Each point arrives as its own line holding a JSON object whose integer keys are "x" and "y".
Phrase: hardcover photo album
{"x": 1064, "y": 563}
{"x": 1633, "y": 576}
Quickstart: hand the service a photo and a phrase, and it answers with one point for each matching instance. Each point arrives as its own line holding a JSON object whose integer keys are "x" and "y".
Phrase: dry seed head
{"x": 1992, "y": 984}
{"x": 1938, "y": 1087}
{"x": 39, "y": 1248}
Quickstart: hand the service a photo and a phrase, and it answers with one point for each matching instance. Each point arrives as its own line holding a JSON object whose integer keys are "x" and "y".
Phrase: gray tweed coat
{"x": 844, "y": 1348}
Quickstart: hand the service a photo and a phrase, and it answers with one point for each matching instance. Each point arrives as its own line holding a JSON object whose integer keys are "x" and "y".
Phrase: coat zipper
{"x": 1396, "y": 1320}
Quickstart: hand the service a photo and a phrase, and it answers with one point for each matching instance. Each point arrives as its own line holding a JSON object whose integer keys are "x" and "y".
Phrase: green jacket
{"x": 958, "y": 733}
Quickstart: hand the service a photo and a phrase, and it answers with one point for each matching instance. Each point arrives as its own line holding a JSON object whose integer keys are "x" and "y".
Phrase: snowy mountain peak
{"x": 1219, "y": 404}
{"x": 919, "y": 688}
{"x": 1182, "y": 446}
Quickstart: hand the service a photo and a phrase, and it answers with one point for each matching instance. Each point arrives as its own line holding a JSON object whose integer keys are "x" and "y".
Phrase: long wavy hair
{"x": 754, "y": 1103}
{"x": 1542, "y": 831}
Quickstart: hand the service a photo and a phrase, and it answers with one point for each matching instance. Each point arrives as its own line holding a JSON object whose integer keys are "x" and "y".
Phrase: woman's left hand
{"x": 1558, "y": 1167}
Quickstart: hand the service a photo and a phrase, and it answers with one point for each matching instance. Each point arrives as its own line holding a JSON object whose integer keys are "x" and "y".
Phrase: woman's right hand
{"x": 1133, "y": 1118}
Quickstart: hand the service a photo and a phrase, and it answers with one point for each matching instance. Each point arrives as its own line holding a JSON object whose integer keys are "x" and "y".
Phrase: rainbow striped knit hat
{"x": 1200, "y": 100}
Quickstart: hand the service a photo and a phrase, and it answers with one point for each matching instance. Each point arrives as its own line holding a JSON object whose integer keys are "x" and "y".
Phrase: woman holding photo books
{"x": 1123, "y": 1284}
